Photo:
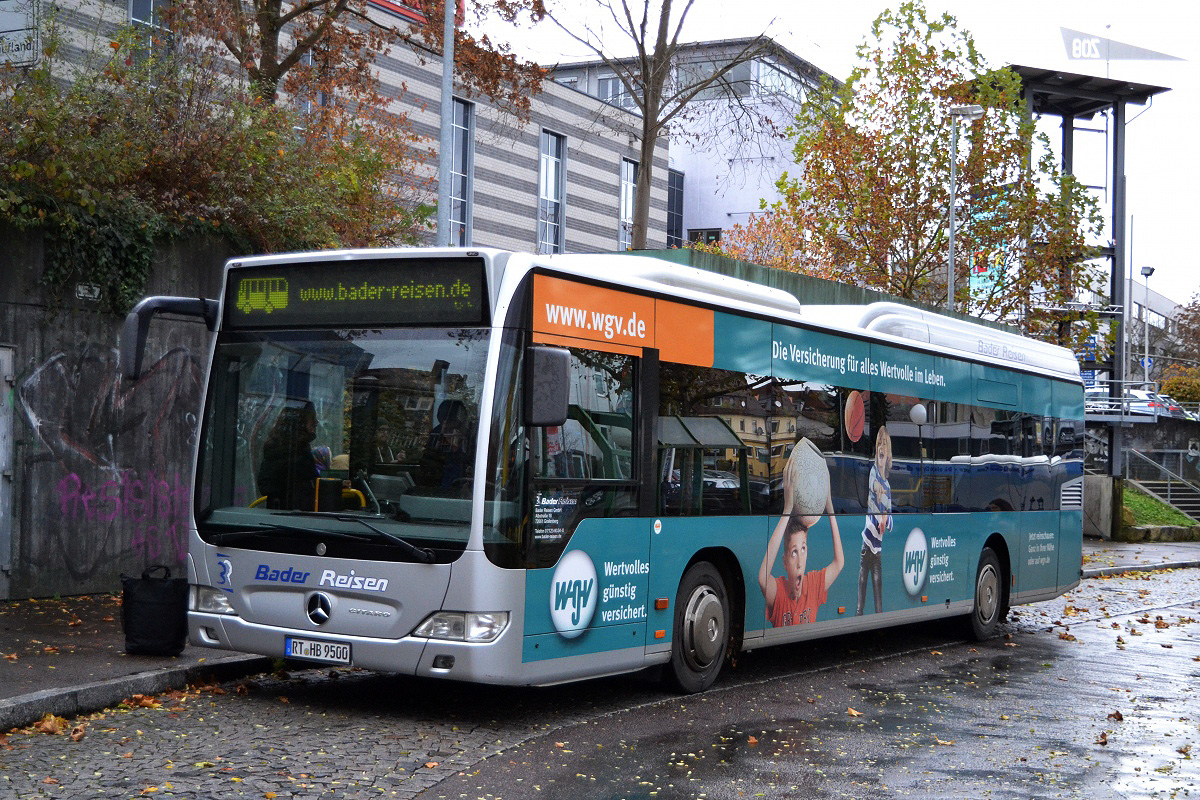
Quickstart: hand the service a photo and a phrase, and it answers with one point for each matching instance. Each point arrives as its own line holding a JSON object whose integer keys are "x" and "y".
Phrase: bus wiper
{"x": 422, "y": 554}
{"x": 243, "y": 533}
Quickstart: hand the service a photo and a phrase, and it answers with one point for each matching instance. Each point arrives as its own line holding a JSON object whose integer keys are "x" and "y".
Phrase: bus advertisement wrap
{"x": 926, "y": 565}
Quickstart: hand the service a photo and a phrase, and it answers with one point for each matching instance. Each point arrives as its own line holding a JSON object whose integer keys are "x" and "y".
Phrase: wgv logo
{"x": 573, "y": 594}
{"x": 916, "y": 562}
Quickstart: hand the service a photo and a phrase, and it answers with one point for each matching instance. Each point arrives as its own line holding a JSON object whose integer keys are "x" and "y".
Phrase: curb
{"x": 29, "y": 708}
{"x": 1102, "y": 571}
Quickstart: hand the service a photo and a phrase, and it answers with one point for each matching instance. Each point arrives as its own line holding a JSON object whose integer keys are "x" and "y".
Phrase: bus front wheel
{"x": 988, "y": 610}
{"x": 701, "y": 630}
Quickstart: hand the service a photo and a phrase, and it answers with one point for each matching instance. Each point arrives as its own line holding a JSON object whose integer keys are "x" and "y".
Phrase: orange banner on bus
{"x": 613, "y": 320}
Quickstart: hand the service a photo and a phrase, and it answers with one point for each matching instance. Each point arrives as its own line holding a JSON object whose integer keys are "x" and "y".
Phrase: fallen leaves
{"x": 1102, "y": 738}
{"x": 853, "y": 713}
{"x": 143, "y": 701}
{"x": 1117, "y": 715}
{"x": 50, "y": 723}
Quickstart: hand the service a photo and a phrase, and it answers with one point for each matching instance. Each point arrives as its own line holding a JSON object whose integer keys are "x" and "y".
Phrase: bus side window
{"x": 596, "y": 442}
{"x": 584, "y": 467}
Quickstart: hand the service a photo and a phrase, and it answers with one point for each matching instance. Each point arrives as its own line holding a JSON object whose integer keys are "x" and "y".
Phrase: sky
{"x": 1162, "y": 158}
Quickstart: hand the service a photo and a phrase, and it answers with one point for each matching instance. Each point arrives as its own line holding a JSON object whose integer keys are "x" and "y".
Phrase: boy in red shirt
{"x": 794, "y": 600}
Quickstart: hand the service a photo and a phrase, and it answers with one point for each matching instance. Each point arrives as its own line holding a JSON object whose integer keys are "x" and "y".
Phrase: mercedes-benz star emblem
{"x": 320, "y": 607}
{"x": 321, "y": 548}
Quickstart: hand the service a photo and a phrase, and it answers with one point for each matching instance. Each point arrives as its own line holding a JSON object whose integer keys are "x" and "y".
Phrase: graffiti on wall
{"x": 153, "y": 508}
{"x": 107, "y": 488}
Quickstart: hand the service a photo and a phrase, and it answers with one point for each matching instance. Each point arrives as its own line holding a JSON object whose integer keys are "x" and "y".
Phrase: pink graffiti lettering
{"x": 155, "y": 507}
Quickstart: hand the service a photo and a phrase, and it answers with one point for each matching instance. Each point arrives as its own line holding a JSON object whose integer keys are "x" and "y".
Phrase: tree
{"x": 147, "y": 147}
{"x": 1183, "y": 383}
{"x": 1187, "y": 321}
{"x": 332, "y": 46}
{"x": 870, "y": 194}
{"x": 655, "y": 78}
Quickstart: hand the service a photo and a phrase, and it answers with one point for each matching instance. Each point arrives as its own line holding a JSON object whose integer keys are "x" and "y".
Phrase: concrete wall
{"x": 101, "y": 469}
{"x": 1098, "y": 506}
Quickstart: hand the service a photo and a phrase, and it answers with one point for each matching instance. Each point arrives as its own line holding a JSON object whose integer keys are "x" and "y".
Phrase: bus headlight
{"x": 210, "y": 601}
{"x": 460, "y": 626}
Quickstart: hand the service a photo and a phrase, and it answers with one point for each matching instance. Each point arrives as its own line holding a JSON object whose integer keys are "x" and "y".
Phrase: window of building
{"x": 774, "y": 80}
{"x": 629, "y": 171}
{"x": 571, "y": 82}
{"x": 737, "y": 82}
{"x": 551, "y": 193}
{"x": 145, "y": 16}
{"x": 311, "y": 97}
{"x": 704, "y": 235}
{"x": 610, "y": 89}
{"x": 674, "y": 208}
{"x": 460, "y": 173}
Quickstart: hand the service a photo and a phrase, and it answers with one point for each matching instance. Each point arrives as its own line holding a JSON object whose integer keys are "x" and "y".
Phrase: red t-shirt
{"x": 789, "y": 612}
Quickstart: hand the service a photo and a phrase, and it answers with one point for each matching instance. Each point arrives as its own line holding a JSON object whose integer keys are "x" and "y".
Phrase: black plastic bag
{"x": 154, "y": 613}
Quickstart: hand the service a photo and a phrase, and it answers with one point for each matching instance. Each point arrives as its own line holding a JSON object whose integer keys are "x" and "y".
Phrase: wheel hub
{"x": 704, "y": 618}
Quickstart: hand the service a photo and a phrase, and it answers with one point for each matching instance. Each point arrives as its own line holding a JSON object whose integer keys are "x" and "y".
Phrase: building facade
{"x": 728, "y": 148}
{"x": 554, "y": 183}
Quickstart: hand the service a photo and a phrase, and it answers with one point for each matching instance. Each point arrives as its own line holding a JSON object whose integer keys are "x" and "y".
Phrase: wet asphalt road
{"x": 1092, "y": 695}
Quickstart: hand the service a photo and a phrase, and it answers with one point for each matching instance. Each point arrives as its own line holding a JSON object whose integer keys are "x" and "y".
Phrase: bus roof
{"x": 885, "y": 321}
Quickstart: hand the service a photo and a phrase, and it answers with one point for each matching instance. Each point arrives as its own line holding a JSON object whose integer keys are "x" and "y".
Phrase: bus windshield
{"x": 361, "y": 436}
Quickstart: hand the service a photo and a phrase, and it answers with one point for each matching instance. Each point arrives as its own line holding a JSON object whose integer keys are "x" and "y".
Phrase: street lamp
{"x": 1146, "y": 273}
{"x": 970, "y": 114}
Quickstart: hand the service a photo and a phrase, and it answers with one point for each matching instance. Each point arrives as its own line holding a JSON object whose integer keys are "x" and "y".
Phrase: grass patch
{"x": 1149, "y": 511}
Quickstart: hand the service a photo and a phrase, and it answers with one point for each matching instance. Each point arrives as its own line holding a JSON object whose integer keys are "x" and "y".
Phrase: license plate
{"x": 316, "y": 650}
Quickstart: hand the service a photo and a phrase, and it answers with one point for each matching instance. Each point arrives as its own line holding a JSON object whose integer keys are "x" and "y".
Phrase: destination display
{"x": 359, "y": 293}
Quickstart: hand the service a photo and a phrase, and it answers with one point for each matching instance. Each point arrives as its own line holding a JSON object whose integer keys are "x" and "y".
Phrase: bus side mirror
{"x": 547, "y": 385}
{"x": 137, "y": 325}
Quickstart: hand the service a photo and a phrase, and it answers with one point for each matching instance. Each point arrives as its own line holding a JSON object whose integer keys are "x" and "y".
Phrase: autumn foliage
{"x": 868, "y": 200}
{"x": 148, "y": 146}
{"x": 332, "y": 48}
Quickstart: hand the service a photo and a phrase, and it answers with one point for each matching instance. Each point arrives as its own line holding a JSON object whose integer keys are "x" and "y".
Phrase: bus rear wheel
{"x": 988, "y": 610}
{"x": 701, "y": 630}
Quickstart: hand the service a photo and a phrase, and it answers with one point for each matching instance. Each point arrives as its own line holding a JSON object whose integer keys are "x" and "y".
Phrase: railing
{"x": 1116, "y": 400}
{"x": 1141, "y": 468}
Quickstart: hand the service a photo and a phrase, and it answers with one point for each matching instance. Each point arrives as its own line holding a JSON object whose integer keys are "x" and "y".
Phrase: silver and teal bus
{"x": 516, "y": 469}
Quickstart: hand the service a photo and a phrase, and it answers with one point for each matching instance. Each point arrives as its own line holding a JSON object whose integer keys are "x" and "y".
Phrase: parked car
{"x": 1174, "y": 407}
{"x": 720, "y": 479}
{"x": 1096, "y": 401}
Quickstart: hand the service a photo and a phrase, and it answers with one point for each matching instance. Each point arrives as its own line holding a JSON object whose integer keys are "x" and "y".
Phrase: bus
{"x": 516, "y": 469}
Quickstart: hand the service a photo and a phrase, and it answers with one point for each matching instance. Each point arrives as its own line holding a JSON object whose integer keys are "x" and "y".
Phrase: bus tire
{"x": 701, "y": 630}
{"x": 988, "y": 610}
